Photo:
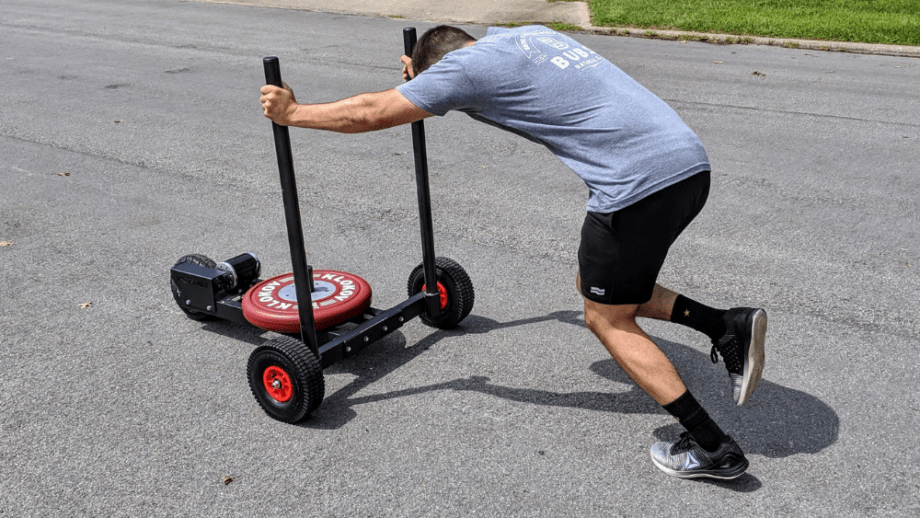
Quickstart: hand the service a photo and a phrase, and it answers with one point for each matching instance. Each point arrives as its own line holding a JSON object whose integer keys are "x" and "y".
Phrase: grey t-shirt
{"x": 621, "y": 139}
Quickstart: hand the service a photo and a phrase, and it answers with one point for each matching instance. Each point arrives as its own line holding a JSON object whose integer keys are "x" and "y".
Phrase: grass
{"x": 894, "y": 22}
{"x": 559, "y": 26}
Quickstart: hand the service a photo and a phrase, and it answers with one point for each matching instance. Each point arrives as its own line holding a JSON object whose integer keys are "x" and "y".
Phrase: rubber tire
{"x": 305, "y": 373}
{"x": 200, "y": 260}
{"x": 460, "y": 294}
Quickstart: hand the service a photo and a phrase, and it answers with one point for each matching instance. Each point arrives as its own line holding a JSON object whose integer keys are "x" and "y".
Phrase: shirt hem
{"x": 636, "y": 197}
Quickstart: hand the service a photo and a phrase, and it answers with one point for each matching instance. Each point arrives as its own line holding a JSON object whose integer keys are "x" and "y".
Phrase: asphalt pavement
{"x": 131, "y": 134}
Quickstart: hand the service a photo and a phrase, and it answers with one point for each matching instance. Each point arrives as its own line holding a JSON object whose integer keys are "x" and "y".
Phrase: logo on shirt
{"x": 582, "y": 58}
{"x": 556, "y": 44}
{"x": 543, "y": 45}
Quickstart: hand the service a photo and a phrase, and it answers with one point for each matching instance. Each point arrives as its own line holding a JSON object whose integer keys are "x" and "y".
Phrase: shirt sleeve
{"x": 443, "y": 87}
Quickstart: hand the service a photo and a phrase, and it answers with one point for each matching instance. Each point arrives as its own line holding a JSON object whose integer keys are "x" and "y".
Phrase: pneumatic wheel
{"x": 286, "y": 378}
{"x": 200, "y": 260}
{"x": 455, "y": 288}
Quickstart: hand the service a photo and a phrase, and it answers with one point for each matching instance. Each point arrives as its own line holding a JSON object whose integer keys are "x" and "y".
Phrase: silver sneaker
{"x": 687, "y": 459}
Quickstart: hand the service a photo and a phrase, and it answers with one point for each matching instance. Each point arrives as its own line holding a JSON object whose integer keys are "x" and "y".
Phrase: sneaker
{"x": 687, "y": 459}
{"x": 741, "y": 348}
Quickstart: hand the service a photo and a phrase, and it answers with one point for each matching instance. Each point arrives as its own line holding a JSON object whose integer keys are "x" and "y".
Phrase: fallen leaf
{"x": 6, "y": 243}
{"x": 86, "y": 305}
{"x": 117, "y": 122}
{"x": 758, "y": 74}
{"x": 717, "y": 62}
{"x": 65, "y": 173}
{"x": 227, "y": 480}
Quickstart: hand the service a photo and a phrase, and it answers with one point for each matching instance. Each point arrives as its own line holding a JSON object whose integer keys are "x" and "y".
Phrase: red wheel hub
{"x": 442, "y": 295}
{"x": 277, "y": 384}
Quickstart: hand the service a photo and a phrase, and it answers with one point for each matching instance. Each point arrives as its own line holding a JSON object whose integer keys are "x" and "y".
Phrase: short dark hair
{"x": 435, "y": 43}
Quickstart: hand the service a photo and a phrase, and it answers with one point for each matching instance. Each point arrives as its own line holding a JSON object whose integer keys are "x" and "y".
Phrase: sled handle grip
{"x": 409, "y": 40}
{"x": 272, "y": 71}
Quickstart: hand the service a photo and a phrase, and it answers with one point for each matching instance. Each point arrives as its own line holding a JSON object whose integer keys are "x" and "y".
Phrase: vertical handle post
{"x": 432, "y": 299}
{"x": 303, "y": 276}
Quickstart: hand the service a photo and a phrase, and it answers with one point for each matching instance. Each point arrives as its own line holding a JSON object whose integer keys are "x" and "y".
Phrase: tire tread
{"x": 306, "y": 369}
{"x": 461, "y": 301}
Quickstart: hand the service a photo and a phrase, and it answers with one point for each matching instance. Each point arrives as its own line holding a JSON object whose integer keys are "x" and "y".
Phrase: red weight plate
{"x": 337, "y": 297}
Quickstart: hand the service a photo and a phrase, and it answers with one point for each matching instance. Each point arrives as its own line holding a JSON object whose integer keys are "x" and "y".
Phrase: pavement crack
{"x": 790, "y": 112}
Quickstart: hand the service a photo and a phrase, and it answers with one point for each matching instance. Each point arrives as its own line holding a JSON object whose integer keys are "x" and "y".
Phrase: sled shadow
{"x": 776, "y": 422}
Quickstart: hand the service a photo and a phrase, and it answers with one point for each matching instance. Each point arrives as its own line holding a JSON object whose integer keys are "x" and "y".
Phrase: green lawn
{"x": 869, "y": 21}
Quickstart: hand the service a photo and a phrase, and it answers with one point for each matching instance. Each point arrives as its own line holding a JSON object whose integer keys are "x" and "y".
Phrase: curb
{"x": 791, "y": 43}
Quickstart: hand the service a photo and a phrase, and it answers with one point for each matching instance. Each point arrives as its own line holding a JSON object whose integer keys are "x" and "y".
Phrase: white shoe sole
{"x": 716, "y": 474}
{"x": 754, "y": 359}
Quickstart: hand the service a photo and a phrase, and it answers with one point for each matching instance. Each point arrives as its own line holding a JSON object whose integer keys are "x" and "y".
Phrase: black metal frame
{"x": 205, "y": 289}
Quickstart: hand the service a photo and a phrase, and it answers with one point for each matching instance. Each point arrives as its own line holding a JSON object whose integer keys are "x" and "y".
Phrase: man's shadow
{"x": 776, "y": 422}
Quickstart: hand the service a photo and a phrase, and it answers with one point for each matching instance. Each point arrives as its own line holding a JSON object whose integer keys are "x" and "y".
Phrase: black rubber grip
{"x": 409, "y": 40}
{"x": 272, "y": 71}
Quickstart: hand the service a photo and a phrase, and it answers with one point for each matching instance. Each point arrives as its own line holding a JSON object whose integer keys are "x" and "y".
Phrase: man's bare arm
{"x": 364, "y": 112}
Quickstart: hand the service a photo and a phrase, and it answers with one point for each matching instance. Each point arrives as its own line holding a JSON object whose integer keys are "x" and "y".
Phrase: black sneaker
{"x": 687, "y": 459}
{"x": 741, "y": 348}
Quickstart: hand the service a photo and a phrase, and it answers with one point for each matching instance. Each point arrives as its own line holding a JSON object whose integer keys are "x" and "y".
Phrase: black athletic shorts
{"x": 621, "y": 253}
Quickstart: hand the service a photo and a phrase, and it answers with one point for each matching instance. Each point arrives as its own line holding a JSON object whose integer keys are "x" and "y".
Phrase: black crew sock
{"x": 694, "y": 418}
{"x": 694, "y": 315}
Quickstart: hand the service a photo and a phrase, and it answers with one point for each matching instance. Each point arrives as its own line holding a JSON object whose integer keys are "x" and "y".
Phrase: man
{"x": 648, "y": 177}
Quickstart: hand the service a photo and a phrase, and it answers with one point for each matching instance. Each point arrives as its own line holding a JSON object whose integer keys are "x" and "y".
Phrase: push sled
{"x": 286, "y": 373}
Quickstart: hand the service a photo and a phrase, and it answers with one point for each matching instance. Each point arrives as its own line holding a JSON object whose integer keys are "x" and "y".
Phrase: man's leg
{"x": 631, "y": 348}
{"x": 705, "y": 450}
{"x": 738, "y": 334}
{"x": 620, "y": 256}
{"x": 660, "y": 306}
{"x": 647, "y": 365}
{"x": 634, "y": 351}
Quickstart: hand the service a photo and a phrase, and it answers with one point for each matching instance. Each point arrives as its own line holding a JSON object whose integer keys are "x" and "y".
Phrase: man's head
{"x": 435, "y": 43}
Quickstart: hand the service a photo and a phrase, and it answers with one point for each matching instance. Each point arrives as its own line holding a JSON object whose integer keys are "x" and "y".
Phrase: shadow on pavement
{"x": 777, "y": 422}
